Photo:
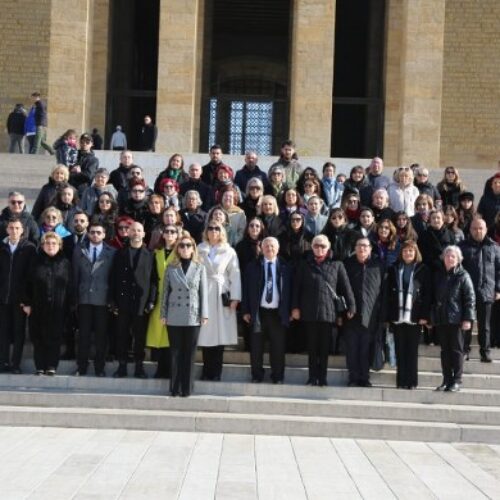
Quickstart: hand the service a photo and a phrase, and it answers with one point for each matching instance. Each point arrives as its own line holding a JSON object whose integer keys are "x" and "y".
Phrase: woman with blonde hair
{"x": 184, "y": 308}
{"x": 224, "y": 295}
{"x": 450, "y": 187}
{"x": 402, "y": 193}
{"x": 59, "y": 175}
{"x": 269, "y": 213}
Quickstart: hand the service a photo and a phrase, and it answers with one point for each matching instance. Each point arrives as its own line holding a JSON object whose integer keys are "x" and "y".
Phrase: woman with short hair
{"x": 45, "y": 198}
{"x": 192, "y": 216}
{"x": 453, "y": 311}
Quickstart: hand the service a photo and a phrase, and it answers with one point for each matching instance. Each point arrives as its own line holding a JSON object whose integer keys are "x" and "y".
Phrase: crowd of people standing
{"x": 310, "y": 262}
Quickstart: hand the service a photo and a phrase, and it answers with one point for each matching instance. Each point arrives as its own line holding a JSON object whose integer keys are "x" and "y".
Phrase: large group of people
{"x": 310, "y": 262}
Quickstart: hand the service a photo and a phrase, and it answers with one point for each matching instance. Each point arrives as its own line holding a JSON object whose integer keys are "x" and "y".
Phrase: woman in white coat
{"x": 224, "y": 294}
{"x": 402, "y": 193}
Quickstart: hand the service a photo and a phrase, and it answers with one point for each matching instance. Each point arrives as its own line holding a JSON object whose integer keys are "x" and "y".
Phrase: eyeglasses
{"x": 213, "y": 228}
{"x": 137, "y": 190}
{"x": 95, "y": 232}
{"x": 123, "y": 228}
{"x": 254, "y": 188}
{"x": 296, "y": 219}
{"x": 16, "y": 202}
{"x": 169, "y": 231}
{"x": 422, "y": 175}
{"x": 319, "y": 245}
{"x": 449, "y": 171}
{"x": 185, "y": 245}
{"x": 51, "y": 217}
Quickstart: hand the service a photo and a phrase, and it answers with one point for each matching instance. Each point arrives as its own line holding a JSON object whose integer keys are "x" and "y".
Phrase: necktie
{"x": 269, "y": 283}
{"x": 94, "y": 255}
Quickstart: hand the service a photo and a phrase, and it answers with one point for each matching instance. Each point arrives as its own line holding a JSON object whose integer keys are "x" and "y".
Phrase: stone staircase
{"x": 236, "y": 406}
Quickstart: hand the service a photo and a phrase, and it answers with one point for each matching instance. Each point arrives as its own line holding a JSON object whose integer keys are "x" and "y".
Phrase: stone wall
{"x": 24, "y": 54}
{"x": 470, "y": 134}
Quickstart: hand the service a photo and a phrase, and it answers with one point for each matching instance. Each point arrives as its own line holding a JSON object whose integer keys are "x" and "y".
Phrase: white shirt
{"x": 274, "y": 304}
{"x": 13, "y": 247}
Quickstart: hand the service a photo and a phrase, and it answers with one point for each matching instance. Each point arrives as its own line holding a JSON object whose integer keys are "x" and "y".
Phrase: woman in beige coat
{"x": 224, "y": 294}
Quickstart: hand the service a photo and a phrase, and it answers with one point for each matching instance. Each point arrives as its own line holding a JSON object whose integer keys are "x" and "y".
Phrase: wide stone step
{"x": 132, "y": 387}
{"x": 287, "y": 425}
{"x": 330, "y": 408}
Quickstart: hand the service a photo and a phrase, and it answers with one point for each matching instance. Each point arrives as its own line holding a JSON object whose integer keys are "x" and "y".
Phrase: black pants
{"x": 12, "y": 328}
{"x": 319, "y": 337}
{"x": 495, "y": 324}
{"x": 183, "y": 340}
{"x": 296, "y": 342}
{"x": 406, "y": 339}
{"x": 162, "y": 356}
{"x": 212, "y": 362}
{"x": 92, "y": 319}
{"x": 451, "y": 339}
{"x": 271, "y": 328}
{"x": 357, "y": 338}
{"x": 128, "y": 321}
{"x": 46, "y": 331}
{"x": 484, "y": 313}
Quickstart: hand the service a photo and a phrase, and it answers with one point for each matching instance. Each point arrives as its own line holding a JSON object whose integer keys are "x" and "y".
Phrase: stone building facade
{"x": 440, "y": 73}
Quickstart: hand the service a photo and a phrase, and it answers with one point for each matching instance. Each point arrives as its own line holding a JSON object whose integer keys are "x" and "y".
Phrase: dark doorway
{"x": 358, "y": 90}
{"x": 245, "y": 85}
{"x": 133, "y": 56}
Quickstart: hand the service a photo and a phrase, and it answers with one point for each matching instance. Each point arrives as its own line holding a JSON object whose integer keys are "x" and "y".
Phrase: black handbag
{"x": 226, "y": 299}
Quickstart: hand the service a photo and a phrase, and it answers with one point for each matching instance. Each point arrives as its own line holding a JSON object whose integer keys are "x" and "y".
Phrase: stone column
{"x": 179, "y": 75}
{"x": 414, "y": 81}
{"x": 311, "y": 83}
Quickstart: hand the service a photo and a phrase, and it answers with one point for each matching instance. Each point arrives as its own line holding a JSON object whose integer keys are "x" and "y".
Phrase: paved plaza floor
{"x": 55, "y": 463}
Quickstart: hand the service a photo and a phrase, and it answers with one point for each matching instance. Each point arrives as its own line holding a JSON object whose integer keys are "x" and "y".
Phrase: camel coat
{"x": 223, "y": 274}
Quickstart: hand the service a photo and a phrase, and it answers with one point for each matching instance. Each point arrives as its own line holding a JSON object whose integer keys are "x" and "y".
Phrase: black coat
{"x": 89, "y": 163}
{"x": 15, "y": 121}
{"x": 489, "y": 206}
{"x": 429, "y": 189}
{"x": 254, "y": 286}
{"x": 208, "y": 172}
{"x": 138, "y": 210}
{"x": 14, "y": 270}
{"x": 421, "y": 298}
{"x": 194, "y": 222}
{"x": 368, "y": 285}
{"x": 133, "y": 288}
{"x": 449, "y": 193}
{"x": 274, "y": 225}
{"x": 419, "y": 224}
{"x": 432, "y": 242}
{"x": 49, "y": 286}
{"x": 482, "y": 262}
{"x": 31, "y": 231}
{"x": 44, "y": 199}
{"x": 293, "y": 246}
{"x": 454, "y": 298}
{"x": 342, "y": 240}
{"x": 311, "y": 294}
{"x": 118, "y": 177}
{"x": 247, "y": 251}
{"x": 249, "y": 206}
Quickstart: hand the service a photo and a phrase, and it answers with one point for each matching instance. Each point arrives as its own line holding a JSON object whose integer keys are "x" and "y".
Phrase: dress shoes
{"x": 452, "y": 387}
{"x": 140, "y": 373}
{"x": 311, "y": 382}
{"x": 441, "y": 387}
{"x": 365, "y": 383}
{"x": 485, "y": 358}
{"x": 121, "y": 372}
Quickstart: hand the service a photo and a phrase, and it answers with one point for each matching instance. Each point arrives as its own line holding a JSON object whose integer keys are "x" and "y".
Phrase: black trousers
{"x": 358, "y": 339}
{"x": 212, "y": 362}
{"x": 296, "y": 341}
{"x": 406, "y": 339}
{"x": 183, "y": 341}
{"x": 92, "y": 319}
{"x": 495, "y": 324}
{"x": 128, "y": 321}
{"x": 319, "y": 337}
{"x": 484, "y": 314}
{"x": 12, "y": 328}
{"x": 162, "y": 356}
{"x": 272, "y": 329}
{"x": 46, "y": 330}
{"x": 451, "y": 339}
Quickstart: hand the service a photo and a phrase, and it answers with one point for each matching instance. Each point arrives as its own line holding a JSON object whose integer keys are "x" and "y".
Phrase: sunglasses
{"x": 51, "y": 217}
{"x": 254, "y": 188}
{"x": 213, "y": 228}
{"x": 16, "y": 202}
{"x": 169, "y": 231}
{"x": 137, "y": 190}
{"x": 296, "y": 219}
{"x": 185, "y": 245}
{"x": 449, "y": 171}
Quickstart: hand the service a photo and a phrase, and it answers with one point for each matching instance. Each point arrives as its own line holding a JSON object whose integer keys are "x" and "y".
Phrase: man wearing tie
{"x": 91, "y": 270}
{"x": 266, "y": 307}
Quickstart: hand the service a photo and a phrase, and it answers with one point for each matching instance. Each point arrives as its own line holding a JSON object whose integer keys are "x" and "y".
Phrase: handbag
{"x": 338, "y": 300}
{"x": 226, "y": 299}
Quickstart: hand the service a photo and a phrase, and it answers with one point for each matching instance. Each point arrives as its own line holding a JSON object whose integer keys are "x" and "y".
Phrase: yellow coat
{"x": 157, "y": 335}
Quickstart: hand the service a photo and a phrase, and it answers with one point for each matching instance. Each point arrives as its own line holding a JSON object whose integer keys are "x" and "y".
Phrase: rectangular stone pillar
{"x": 421, "y": 40}
{"x": 179, "y": 75}
{"x": 312, "y": 57}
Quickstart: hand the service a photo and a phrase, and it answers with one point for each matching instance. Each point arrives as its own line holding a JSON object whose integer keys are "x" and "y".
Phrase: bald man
{"x": 134, "y": 287}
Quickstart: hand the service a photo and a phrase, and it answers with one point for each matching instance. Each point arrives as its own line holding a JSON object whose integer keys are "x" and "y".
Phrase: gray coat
{"x": 91, "y": 281}
{"x": 185, "y": 296}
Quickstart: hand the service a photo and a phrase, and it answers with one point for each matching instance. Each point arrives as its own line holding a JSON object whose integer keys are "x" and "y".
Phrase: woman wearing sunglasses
{"x": 184, "y": 307}
{"x": 224, "y": 295}
{"x": 157, "y": 336}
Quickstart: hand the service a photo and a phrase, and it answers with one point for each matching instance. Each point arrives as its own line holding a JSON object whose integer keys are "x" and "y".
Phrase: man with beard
{"x": 209, "y": 175}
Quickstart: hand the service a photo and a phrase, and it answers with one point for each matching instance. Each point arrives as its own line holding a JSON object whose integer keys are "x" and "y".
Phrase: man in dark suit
{"x": 266, "y": 307}
{"x": 134, "y": 286}
{"x": 91, "y": 270}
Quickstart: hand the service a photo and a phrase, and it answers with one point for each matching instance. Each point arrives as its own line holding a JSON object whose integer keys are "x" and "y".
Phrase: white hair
{"x": 456, "y": 250}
